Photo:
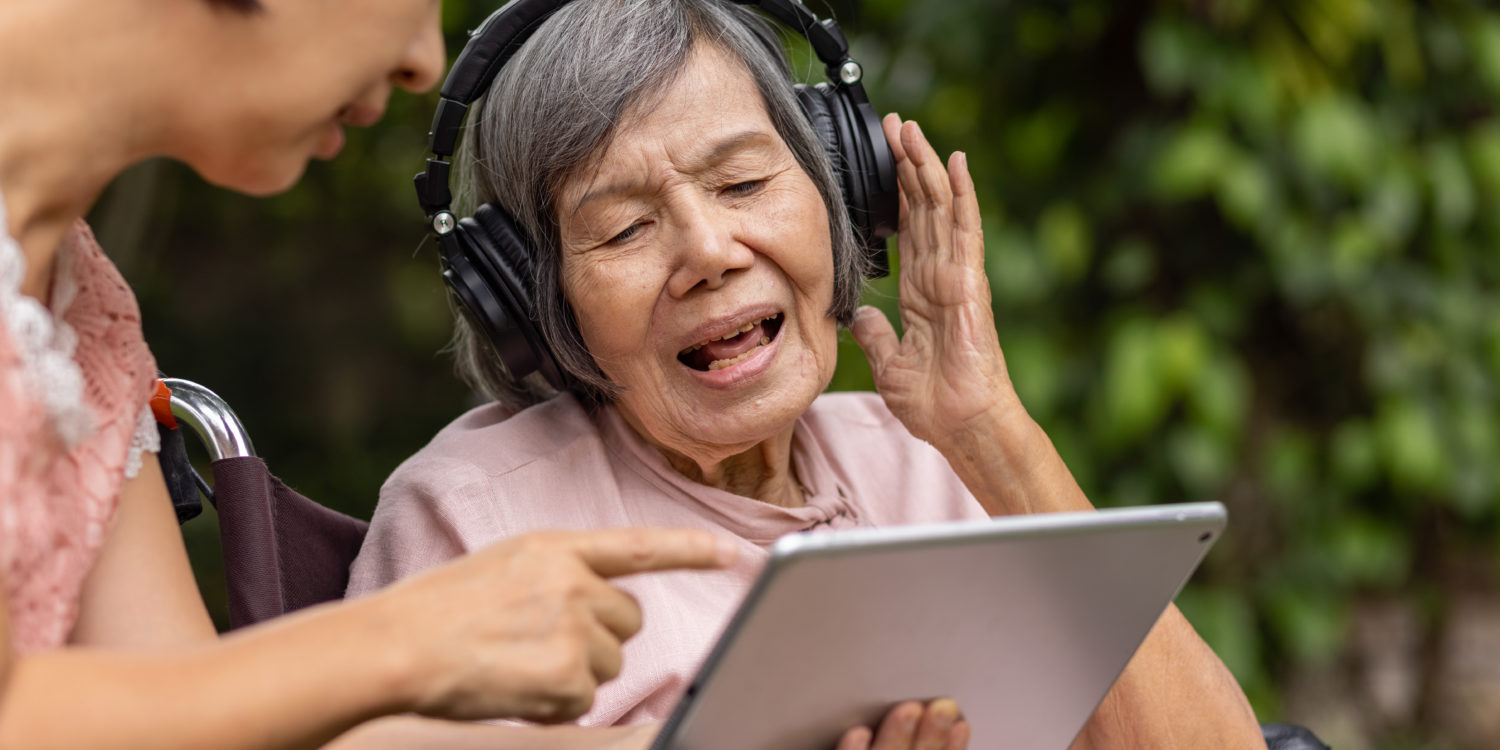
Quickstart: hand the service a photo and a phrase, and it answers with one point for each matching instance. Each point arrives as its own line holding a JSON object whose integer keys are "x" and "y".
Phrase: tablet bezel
{"x": 1208, "y": 519}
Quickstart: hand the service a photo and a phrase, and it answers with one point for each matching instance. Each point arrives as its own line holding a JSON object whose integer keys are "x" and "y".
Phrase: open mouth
{"x": 733, "y": 348}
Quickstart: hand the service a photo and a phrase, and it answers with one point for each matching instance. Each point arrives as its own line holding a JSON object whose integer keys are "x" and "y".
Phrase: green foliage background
{"x": 1240, "y": 250}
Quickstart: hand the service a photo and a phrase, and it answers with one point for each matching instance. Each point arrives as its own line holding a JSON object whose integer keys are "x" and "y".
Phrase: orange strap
{"x": 161, "y": 405}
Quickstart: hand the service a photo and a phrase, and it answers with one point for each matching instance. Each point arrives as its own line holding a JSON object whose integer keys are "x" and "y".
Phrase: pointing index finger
{"x": 622, "y": 552}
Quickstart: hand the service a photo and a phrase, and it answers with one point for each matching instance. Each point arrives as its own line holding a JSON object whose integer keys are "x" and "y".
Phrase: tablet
{"x": 1025, "y": 620}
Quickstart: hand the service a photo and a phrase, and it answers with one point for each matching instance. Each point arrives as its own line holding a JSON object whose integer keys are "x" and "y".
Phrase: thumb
{"x": 877, "y": 337}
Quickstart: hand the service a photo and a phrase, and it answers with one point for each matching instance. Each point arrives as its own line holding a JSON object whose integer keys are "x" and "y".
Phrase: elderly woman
{"x": 695, "y": 263}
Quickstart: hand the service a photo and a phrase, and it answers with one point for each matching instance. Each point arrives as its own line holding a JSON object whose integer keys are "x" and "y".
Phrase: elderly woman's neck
{"x": 762, "y": 471}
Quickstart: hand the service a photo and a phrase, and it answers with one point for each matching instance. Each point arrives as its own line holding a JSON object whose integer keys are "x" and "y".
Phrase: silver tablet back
{"x": 1026, "y": 621}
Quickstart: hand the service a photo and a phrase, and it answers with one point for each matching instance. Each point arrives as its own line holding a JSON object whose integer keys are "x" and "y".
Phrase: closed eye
{"x": 749, "y": 187}
{"x": 625, "y": 236}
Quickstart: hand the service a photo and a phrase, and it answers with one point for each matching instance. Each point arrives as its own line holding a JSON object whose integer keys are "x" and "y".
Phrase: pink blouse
{"x": 68, "y": 432}
{"x": 487, "y": 477}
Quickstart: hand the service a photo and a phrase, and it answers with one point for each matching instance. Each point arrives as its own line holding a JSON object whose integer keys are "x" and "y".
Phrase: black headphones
{"x": 487, "y": 260}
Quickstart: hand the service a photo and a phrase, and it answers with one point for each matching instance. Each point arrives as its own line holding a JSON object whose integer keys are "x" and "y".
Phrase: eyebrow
{"x": 715, "y": 155}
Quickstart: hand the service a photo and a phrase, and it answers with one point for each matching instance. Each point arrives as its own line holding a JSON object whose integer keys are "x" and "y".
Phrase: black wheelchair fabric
{"x": 181, "y": 485}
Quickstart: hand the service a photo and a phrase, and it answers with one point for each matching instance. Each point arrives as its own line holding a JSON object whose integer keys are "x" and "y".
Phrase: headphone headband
{"x": 498, "y": 38}
{"x": 504, "y": 31}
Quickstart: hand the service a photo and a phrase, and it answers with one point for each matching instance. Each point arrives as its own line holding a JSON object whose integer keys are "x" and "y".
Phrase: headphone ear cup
{"x": 475, "y": 292}
{"x": 840, "y": 125}
{"x": 500, "y": 258}
{"x": 820, "y": 116}
{"x": 864, "y": 140}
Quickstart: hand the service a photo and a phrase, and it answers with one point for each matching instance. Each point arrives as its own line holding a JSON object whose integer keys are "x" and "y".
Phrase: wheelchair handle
{"x": 210, "y": 418}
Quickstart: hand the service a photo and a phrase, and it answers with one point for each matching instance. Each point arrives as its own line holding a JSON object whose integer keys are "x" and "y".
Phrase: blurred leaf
{"x": 1410, "y": 445}
{"x": 1035, "y": 142}
{"x": 1169, "y": 56}
{"x": 1035, "y": 369}
{"x": 1220, "y": 396}
{"x": 1452, "y": 191}
{"x": 1289, "y": 465}
{"x": 1129, "y": 266}
{"x": 1392, "y": 207}
{"x": 1200, "y": 459}
{"x": 1015, "y": 268}
{"x": 1182, "y": 349}
{"x": 1135, "y": 393}
{"x": 1484, "y": 46}
{"x": 1356, "y": 457}
{"x": 1369, "y": 552}
{"x": 1064, "y": 234}
{"x": 1246, "y": 193}
{"x": 1337, "y": 138}
{"x": 1311, "y": 625}
{"x": 1335, "y": 27}
{"x": 1193, "y": 162}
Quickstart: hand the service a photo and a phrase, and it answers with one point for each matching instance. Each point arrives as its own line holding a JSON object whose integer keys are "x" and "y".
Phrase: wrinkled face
{"x": 278, "y": 86}
{"x": 698, "y": 262}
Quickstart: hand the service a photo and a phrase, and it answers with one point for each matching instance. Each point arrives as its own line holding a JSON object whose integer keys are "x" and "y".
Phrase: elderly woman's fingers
{"x": 857, "y": 738}
{"x": 899, "y": 727}
{"x": 927, "y": 168}
{"x": 877, "y": 337}
{"x": 927, "y": 197}
{"x": 959, "y": 740}
{"x": 891, "y": 124}
{"x": 936, "y": 727}
{"x": 968, "y": 230}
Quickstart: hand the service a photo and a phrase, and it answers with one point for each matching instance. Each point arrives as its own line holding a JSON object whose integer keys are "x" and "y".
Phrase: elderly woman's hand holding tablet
{"x": 679, "y": 234}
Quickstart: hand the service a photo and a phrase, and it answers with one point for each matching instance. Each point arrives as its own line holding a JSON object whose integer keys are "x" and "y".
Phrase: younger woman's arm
{"x": 526, "y": 628}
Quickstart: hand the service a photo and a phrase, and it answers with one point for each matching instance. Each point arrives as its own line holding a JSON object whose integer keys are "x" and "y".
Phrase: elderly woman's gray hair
{"x": 556, "y": 105}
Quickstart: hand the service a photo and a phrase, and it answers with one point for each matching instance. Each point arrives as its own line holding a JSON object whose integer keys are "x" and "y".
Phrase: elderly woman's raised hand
{"x": 946, "y": 369}
{"x": 912, "y": 726}
{"x": 528, "y": 627}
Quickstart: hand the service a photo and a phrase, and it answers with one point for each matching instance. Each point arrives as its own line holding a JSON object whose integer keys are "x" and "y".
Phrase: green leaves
{"x": 1195, "y": 159}
{"x": 1335, "y": 139}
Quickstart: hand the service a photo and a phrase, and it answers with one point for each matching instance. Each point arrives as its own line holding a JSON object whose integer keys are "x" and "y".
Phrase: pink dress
{"x": 489, "y": 476}
{"x": 74, "y": 385}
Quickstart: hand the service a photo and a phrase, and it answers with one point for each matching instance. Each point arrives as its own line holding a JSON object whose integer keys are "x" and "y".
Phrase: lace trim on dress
{"x": 44, "y": 341}
{"x": 145, "y": 440}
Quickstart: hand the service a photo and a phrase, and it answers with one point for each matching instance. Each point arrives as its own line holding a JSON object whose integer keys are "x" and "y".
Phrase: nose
{"x": 707, "y": 252}
{"x": 422, "y": 66}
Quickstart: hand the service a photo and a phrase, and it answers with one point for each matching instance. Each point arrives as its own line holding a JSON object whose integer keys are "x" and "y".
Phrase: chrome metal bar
{"x": 210, "y": 418}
